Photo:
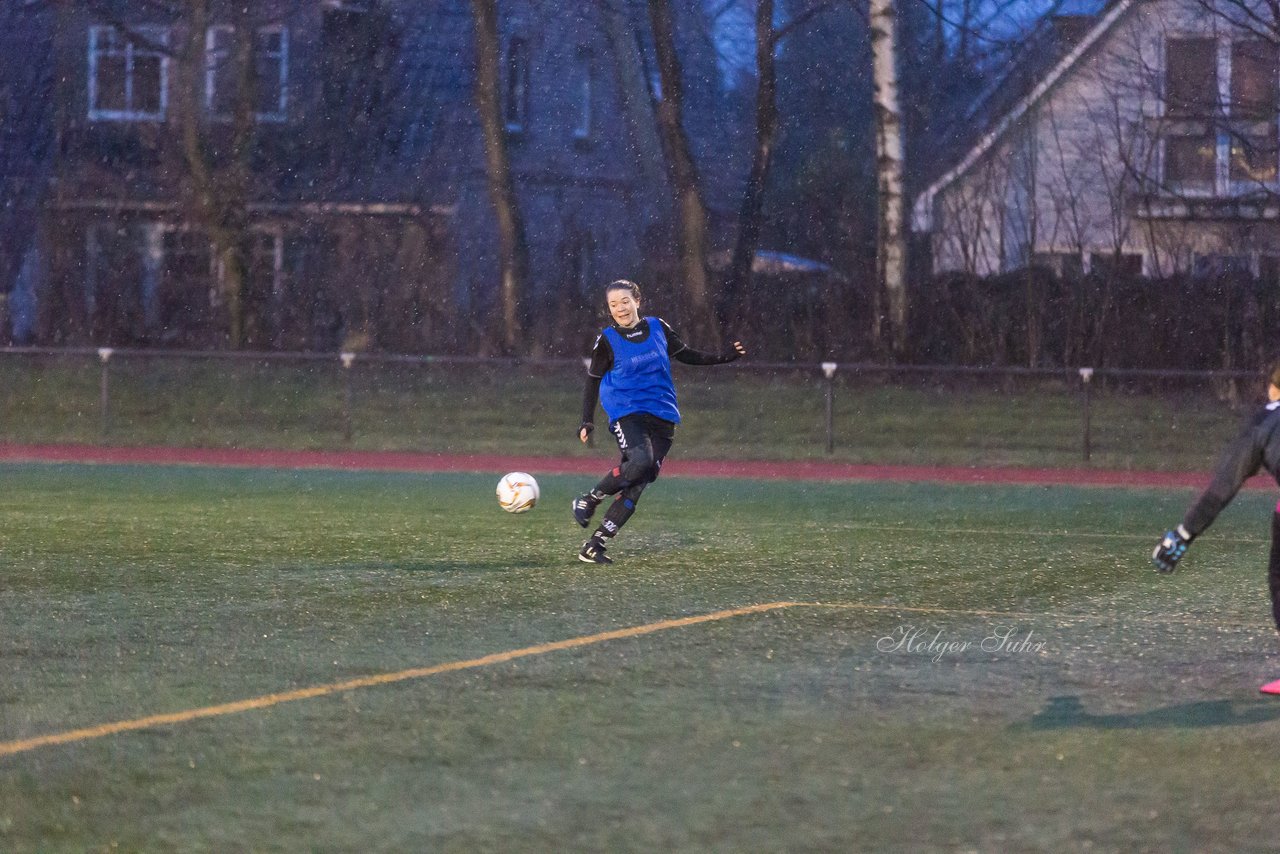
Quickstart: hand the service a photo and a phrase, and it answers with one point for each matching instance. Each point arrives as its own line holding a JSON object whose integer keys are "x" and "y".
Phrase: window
{"x": 1254, "y": 157}
{"x": 219, "y": 79}
{"x": 1207, "y": 266}
{"x": 114, "y": 273}
{"x": 1211, "y": 146}
{"x": 1255, "y": 76}
{"x": 1269, "y": 269}
{"x": 1066, "y": 265}
{"x": 266, "y": 260}
{"x": 1191, "y": 100}
{"x": 270, "y": 57}
{"x": 184, "y": 298}
{"x": 1191, "y": 77}
{"x": 128, "y": 74}
{"x": 1191, "y": 159}
{"x": 1111, "y": 265}
{"x": 107, "y": 248}
{"x": 582, "y": 94}
{"x": 262, "y": 289}
{"x": 516, "y": 103}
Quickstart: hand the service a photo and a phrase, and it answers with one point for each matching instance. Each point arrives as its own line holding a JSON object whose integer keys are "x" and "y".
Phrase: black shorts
{"x": 644, "y": 435}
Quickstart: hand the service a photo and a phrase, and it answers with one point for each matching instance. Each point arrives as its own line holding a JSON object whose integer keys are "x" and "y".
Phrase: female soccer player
{"x": 1257, "y": 446}
{"x": 630, "y": 374}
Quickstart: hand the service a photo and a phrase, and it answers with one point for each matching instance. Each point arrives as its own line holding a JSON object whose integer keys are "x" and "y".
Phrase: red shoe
{"x": 1271, "y": 687}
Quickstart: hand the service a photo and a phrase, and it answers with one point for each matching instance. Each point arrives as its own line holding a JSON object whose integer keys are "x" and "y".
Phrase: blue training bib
{"x": 640, "y": 379}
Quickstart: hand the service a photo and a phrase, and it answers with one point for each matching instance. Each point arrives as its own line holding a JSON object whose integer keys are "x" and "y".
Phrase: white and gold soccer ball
{"x": 517, "y": 492}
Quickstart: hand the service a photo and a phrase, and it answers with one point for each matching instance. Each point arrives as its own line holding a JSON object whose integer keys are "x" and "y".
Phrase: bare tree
{"x": 26, "y": 136}
{"x": 217, "y": 165}
{"x": 769, "y": 36}
{"x": 682, "y": 172}
{"x": 637, "y": 101}
{"x": 891, "y": 250}
{"x": 738, "y": 283}
{"x": 514, "y": 245}
{"x": 221, "y": 181}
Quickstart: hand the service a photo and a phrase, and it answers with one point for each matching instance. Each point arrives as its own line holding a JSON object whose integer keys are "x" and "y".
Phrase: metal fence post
{"x": 347, "y": 394}
{"x": 1086, "y": 378}
{"x": 829, "y": 371}
{"x": 104, "y": 390}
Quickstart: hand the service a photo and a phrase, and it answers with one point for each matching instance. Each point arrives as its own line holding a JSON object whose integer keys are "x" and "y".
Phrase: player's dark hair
{"x": 1275, "y": 374}
{"x": 623, "y": 285}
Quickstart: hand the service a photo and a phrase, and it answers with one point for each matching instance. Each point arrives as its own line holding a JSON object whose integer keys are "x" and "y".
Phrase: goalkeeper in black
{"x": 630, "y": 375}
{"x": 1256, "y": 447}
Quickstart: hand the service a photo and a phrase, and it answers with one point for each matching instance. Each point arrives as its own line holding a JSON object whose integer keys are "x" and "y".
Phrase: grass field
{"x": 730, "y": 412}
{"x": 1118, "y": 713}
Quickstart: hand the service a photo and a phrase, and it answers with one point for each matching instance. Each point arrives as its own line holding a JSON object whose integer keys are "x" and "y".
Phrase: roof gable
{"x": 922, "y": 210}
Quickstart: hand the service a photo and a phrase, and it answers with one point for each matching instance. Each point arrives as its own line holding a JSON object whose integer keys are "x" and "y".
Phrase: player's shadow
{"x": 1069, "y": 713}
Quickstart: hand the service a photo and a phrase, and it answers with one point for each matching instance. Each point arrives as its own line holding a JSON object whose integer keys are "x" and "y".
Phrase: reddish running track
{"x": 496, "y": 464}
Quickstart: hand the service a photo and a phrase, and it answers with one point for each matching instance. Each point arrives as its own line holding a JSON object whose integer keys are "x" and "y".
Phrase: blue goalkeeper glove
{"x": 1171, "y": 549}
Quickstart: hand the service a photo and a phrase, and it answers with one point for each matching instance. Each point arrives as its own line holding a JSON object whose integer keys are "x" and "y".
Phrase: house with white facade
{"x": 1146, "y": 143}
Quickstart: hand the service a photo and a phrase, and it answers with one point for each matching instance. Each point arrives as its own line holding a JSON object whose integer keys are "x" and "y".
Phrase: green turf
{"x": 134, "y": 591}
{"x": 729, "y": 412}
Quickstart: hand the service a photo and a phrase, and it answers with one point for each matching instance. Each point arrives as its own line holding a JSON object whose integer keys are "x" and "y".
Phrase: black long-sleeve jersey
{"x": 1257, "y": 446}
{"x": 602, "y": 360}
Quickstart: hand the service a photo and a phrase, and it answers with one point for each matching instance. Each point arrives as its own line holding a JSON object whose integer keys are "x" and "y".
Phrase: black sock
{"x": 617, "y": 515}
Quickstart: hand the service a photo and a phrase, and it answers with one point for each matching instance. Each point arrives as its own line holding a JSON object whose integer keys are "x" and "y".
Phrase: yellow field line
{"x": 9, "y": 748}
{"x": 20, "y": 746}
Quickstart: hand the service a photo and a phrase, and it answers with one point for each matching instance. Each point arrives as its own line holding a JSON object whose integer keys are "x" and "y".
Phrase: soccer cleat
{"x": 584, "y": 507}
{"x": 1271, "y": 687}
{"x": 593, "y": 552}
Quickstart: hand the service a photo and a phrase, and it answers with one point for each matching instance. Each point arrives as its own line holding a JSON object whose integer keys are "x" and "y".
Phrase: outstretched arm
{"x": 691, "y": 356}
{"x": 682, "y": 352}
{"x": 1240, "y": 460}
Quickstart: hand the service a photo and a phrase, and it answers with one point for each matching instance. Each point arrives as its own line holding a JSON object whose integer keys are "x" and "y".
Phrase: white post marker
{"x": 829, "y": 371}
{"x": 1086, "y": 377}
{"x": 347, "y": 394}
{"x": 104, "y": 390}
